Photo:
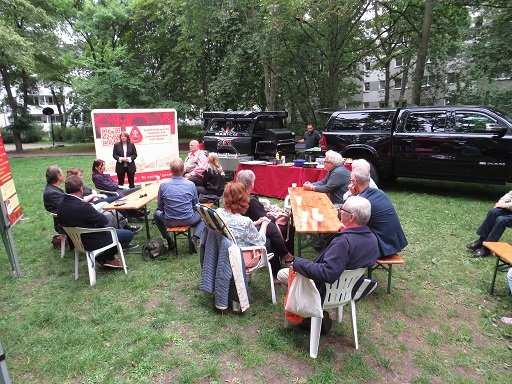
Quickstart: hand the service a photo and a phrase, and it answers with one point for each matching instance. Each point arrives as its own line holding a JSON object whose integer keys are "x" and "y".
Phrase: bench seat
{"x": 386, "y": 263}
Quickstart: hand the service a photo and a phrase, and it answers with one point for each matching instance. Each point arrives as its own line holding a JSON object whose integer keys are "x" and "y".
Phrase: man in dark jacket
{"x": 73, "y": 211}
{"x": 384, "y": 221}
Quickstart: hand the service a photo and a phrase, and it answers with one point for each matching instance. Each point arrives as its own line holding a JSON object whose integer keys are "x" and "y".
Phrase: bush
{"x": 73, "y": 134}
{"x": 30, "y": 133}
{"x": 190, "y": 131}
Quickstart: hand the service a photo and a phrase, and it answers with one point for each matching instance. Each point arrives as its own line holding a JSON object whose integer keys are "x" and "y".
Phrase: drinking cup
{"x": 320, "y": 219}
{"x": 298, "y": 199}
{"x": 314, "y": 213}
{"x": 294, "y": 186}
{"x": 304, "y": 217}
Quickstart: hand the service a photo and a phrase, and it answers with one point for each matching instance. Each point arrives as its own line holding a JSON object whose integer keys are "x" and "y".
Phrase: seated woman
{"x": 213, "y": 177}
{"x": 104, "y": 182}
{"x": 236, "y": 202}
{"x": 279, "y": 245}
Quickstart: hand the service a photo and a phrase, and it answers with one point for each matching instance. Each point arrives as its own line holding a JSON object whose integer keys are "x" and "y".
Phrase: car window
{"x": 263, "y": 124}
{"x": 431, "y": 121}
{"x": 472, "y": 122}
{"x": 224, "y": 126}
{"x": 361, "y": 121}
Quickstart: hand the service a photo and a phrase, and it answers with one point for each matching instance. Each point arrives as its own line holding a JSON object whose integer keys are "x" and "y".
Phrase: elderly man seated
{"x": 384, "y": 221}
{"x": 195, "y": 163}
{"x": 335, "y": 183}
{"x": 355, "y": 246}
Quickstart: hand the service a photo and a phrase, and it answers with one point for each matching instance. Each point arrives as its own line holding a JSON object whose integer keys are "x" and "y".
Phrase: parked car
{"x": 259, "y": 134}
{"x": 459, "y": 143}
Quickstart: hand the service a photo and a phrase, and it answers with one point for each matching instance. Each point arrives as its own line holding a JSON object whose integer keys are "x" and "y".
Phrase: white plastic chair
{"x": 217, "y": 224}
{"x": 337, "y": 295}
{"x": 62, "y": 238}
{"x": 75, "y": 234}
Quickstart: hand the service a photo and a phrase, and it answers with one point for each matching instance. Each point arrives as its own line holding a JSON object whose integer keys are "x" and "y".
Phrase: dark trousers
{"x": 162, "y": 224}
{"x": 131, "y": 177}
{"x": 494, "y": 224}
{"x": 124, "y": 236}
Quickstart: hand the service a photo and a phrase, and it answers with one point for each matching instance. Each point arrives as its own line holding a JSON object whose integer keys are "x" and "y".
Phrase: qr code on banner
{"x": 109, "y": 135}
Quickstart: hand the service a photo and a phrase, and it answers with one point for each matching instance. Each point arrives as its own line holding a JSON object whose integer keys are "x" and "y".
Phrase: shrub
{"x": 190, "y": 131}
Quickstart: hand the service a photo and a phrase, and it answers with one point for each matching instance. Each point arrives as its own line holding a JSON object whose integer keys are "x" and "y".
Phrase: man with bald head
{"x": 195, "y": 163}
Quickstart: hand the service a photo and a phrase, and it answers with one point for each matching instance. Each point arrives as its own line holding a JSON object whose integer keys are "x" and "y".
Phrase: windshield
{"x": 502, "y": 114}
{"x": 228, "y": 126}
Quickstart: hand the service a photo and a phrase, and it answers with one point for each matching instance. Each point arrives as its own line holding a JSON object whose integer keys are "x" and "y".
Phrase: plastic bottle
{"x": 277, "y": 156}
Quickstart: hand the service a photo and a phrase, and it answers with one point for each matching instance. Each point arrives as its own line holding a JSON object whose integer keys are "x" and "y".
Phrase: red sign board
{"x": 7, "y": 190}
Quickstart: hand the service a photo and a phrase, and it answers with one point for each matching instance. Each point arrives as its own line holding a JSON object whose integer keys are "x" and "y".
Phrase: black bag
{"x": 205, "y": 198}
{"x": 154, "y": 249}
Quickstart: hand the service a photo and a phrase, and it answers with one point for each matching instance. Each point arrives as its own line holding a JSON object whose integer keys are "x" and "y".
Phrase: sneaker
{"x": 131, "y": 246}
{"x": 114, "y": 264}
{"x": 135, "y": 228}
{"x": 506, "y": 320}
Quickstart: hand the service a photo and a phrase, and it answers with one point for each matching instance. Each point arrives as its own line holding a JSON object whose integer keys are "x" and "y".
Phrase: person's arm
{"x": 159, "y": 203}
{"x": 115, "y": 153}
{"x": 133, "y": 156}
{"x": 256, "y": 209}
{"x": 252, "y": 235}
{"x": 337, "y": 180}
{"x": 505, "y": 202}
{"x": 333, "y": 263}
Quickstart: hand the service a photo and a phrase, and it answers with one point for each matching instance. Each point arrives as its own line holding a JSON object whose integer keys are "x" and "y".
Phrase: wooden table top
{"x": 500, "y": 249}
{"x": 136, "y": 200}
{"x": 310, "y": 200}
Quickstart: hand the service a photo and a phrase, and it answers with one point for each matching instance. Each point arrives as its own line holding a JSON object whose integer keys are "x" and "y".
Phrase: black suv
{"x": 456, "y": 142}
{"x": 259, "y": 134}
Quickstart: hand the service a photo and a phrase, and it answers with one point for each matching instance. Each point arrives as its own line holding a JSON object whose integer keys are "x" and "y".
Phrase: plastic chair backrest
{"x": 340, "y": 292}
{"x": 213, "y": 221}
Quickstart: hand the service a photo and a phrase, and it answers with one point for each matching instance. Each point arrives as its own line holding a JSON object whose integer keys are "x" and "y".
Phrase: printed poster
{"x": 7, "y": 189}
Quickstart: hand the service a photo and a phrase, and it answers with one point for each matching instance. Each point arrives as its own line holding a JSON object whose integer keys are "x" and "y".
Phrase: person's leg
{"x": 197, "y": 180}
{"x": 490, "y": 220}
{"x": 162, "y": 227}
{"x": 120, "y": 176}
{"x": 201, "y": 190}
{"x": 131, "y": 180}
{"x": 282, "y": 276}
{"x": 500, "y": 224}
{"x": 124, "y": 236}
{"x": 509, "y": 277}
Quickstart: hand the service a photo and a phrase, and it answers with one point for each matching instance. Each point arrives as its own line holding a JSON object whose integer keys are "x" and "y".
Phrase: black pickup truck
{"x": 459, "y": 143}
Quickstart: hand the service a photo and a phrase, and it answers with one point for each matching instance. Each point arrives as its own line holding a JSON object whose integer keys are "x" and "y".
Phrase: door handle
{"x": 461, "y": 142}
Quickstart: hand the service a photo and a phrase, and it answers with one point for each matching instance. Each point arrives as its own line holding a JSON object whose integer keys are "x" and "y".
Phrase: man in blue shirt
{"x": 176, "y": 200}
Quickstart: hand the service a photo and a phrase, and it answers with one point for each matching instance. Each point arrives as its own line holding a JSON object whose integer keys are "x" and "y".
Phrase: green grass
{"x": 153, "y": 325}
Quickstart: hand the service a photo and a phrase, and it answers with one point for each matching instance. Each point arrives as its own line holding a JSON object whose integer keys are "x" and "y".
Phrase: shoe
{"x": 474, "y": 245}
{"x": 114, "y": 264}
{"x": 481, "y": 252}
{"x": 193, "y": 244}
{"x": 326, "y": 324}
{"x": 135, "y": 228}
{"x": 131, "y": 246}
{"x": 99, "y": 262}
{"x": 506, "y": 320}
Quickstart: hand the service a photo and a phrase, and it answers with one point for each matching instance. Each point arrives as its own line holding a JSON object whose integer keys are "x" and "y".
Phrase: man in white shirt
{"x": 195, "y": 164}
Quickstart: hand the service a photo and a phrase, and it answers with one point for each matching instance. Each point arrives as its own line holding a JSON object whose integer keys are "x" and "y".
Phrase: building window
{"x": 367, "y": 66}
{"x": 382, "y": 84}
{"x": 367, "y": 86}
{"x": 33, "y": 100}
{"x": 366, "y": 105}
{"x": 450, "y": 77}
{"x": 398, "y": 84}
{"x": 399, "y": 62}
{"x": 426, "y": 81}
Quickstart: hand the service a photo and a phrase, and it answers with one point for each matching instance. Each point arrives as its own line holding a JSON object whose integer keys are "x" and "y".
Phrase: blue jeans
{"x": 509, "y": 277}
{"x": 162, "y": 223}
{"x": 494, "y": 224}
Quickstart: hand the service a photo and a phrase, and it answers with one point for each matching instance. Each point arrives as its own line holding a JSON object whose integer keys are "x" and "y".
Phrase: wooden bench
{"x": 503, "y": 253}
{"x": 184, "y": 231}
{"x": 386, "y": 263}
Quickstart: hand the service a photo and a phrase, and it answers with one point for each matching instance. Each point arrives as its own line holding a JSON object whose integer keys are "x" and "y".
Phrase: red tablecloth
{"x": 274, "y": 180}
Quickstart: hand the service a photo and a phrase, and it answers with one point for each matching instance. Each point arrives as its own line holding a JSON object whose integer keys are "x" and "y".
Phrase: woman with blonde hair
{"x": 213, "y": 177}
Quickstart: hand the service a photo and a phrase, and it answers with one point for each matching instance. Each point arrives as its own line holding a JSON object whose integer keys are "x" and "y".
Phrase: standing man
{"x": 73, "y": 211}
{"x": 311, "y": 137}
{"x": 195, "y": 163}
{"x": 384, "y": 221}
{"x": 493, "y": 226}
{"x": 176, "y": 200}
{"x": 335, "y": 184}
{"x": 125, "y": 154}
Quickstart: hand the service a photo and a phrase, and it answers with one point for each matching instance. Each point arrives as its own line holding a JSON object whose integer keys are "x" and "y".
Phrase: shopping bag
{"x": 304, "y": 298}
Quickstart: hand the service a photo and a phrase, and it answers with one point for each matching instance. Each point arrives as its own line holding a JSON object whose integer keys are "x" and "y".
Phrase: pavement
{"x": 11, "y": 150}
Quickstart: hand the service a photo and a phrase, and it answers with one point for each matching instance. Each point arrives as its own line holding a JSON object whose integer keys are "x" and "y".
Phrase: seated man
{"x": 176, "y": 200}
{"x": 53, "y": 195}
{"x": 384, "y": 221}
{"x": 355, "y": 246}
{"x": 335, "y": 183}
{"x": 195, "y": 163}
{"x": 73, "y": 211}
{"x": 493, "y": 226}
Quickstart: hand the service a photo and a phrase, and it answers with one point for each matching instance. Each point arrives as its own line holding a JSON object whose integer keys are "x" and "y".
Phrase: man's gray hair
{"x": 246, "y": 177}
{"x": 361, "y": 174}
{"x": 361, "y": 163}
{"x": 360, "y": 208}
{"x": 334, "y": 157}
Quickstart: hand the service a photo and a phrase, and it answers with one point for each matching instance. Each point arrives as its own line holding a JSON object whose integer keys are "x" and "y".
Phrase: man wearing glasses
{"x": 335, "y": 183}
{"x": 384, "y": 221}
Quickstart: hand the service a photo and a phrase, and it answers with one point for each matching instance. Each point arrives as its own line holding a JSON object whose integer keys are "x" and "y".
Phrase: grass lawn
{"x": 438, "y": 325}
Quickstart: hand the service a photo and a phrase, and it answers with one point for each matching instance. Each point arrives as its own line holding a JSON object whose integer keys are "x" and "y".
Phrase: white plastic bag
{"x": 304, "y": 298}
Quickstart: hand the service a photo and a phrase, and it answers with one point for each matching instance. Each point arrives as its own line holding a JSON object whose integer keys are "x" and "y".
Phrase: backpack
{"x": 154, "y": 249}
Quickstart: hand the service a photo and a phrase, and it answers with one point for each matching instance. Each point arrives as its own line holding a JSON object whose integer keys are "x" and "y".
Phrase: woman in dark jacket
{"x": 125, "y": 154}
{"x": 213, "y": 177}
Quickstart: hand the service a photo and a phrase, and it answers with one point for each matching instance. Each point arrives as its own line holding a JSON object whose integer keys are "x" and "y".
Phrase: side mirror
{"x": 496, "y": 129}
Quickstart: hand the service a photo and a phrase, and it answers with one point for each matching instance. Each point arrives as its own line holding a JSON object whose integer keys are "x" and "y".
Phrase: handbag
{"x": 251, "y": 257}
{"x": 154, "y": 249}
{"x": 304, "y": 298}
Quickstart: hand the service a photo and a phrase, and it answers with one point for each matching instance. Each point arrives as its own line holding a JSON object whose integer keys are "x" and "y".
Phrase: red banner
{"x": 7, "y": 189}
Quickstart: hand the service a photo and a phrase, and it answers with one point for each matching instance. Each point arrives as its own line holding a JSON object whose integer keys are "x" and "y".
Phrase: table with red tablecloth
{"x": 274, "y": 180}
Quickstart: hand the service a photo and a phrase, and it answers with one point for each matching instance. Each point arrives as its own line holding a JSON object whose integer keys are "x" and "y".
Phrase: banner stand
{"x": 4, "y": 375}
{"x": 10, "y": 249}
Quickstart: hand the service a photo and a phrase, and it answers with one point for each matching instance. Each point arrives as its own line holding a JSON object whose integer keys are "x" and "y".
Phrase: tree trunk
{"x": 422, "y": 51}
{"x": 13, "y": 104}
{"x": 61, "y": 106}
{"x": 386, "y": 83}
